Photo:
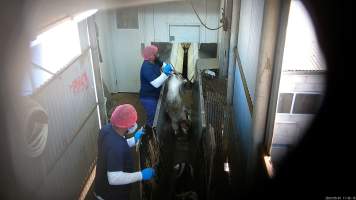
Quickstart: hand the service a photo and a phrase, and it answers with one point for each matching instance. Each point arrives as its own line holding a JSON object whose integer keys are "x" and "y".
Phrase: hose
{"x": 196, "y": 13}
{"x": 35, "y": 128}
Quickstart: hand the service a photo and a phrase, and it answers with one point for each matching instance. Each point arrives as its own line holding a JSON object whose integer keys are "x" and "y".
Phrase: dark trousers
{"x": 150, "y": 105}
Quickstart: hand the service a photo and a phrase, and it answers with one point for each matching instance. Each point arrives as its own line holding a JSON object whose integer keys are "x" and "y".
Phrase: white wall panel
{"x": 103, "y": 21}
{"x": 121, "y": 48}
{"x": 181, "y": 13}
{"x": 250, "y": 26}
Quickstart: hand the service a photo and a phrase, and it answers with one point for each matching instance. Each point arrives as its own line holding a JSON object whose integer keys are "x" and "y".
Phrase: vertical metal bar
{"x": 233, "y": 49}
{"x": 266, "y": 63}
{"x": 272, "y": 107}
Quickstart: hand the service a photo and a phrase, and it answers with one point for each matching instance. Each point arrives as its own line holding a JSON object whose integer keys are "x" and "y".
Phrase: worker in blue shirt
{"x": 114, "y": 169}
{"x": 151, "y": 81}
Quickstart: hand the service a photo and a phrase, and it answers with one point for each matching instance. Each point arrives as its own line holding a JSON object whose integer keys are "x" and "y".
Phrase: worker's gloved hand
{"x": 167, "y": 69}
{"x": 147, "y": 174}
{"x": 138, "y": 135}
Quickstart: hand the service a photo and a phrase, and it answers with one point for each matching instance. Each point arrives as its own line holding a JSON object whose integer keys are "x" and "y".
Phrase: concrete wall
{"x": 121, "y": 47}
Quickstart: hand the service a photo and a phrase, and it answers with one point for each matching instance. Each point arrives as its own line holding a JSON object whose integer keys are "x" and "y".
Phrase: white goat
{"x": 174, "y": 104}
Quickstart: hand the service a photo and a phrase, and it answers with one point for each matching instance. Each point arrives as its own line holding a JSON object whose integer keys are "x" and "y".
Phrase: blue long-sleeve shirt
{"x": 149, "y": 72}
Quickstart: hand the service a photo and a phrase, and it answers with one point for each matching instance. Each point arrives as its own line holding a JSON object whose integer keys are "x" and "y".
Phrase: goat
{"x": 174, "y": 104}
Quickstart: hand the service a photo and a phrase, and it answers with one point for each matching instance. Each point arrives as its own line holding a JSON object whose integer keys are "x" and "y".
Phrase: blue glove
{"x": 147, "y": 174}
{"x": 168, "y": 69}
{"x": 138, "y": 135}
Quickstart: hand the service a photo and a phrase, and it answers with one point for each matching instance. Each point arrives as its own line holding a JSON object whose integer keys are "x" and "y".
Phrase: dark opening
{"x": 185, "y": 63}
{"x": 307, "y": 103}
{"x": 208, "y": 50}
{"x": 185, "y": 59}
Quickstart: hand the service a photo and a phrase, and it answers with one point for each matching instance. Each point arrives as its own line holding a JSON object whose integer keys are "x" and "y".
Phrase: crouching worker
{"x": 114, "y": 169}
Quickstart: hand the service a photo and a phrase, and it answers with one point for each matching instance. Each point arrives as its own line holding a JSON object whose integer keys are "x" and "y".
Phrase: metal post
{"x": 276, "y": 75}
{"x": 233, "y": 49}
{"x": 270, "y": 27}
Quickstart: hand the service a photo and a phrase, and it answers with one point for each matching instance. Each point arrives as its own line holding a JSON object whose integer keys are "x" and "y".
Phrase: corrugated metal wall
{"x": 70, "y": 102}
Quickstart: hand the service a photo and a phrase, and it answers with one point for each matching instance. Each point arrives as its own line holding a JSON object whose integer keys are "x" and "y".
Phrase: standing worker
{"x": 151, "y": 81}
{"x": 114, "y": 169}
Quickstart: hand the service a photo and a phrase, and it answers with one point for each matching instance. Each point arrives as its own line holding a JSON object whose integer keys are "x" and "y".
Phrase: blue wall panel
{"x": 242, "y": 115}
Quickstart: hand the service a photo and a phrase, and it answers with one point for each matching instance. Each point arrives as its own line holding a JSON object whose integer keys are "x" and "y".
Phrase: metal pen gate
{"x": 211, "y": 132}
